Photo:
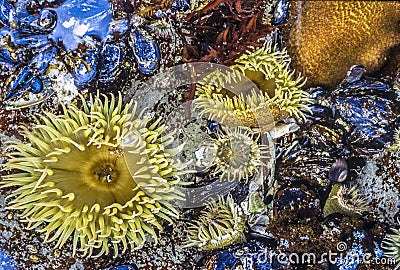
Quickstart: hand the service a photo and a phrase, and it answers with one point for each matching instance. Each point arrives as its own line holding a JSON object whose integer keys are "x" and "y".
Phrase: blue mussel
{"x": 91, "y": 47}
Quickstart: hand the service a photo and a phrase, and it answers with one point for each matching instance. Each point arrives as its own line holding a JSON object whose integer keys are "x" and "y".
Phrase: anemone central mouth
{"x": 105, "y": 174}
{"x": 225, "y": 151}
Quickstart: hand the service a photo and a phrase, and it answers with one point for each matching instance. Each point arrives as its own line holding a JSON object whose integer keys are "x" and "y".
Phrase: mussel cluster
{"x": 50, "y": 46}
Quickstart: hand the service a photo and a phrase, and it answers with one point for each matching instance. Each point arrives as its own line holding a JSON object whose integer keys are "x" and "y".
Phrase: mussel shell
{"x": 213, "y": 126}
{"x": 25, "y": 89}
{"x": 181, "y": 5}
{"x": 355, "y": 73}
{"x": 7, "y": 14}
{"x": 73, "y": 25}
{"x": 86, "y": 70}
{"x": 298, "y": 199}
{"x": 317, "y": 93}
{"x": 35, "y": 6}
{"x": 289, "y": 197}
{"x": 313, "y": 170}
{"x": 367, "y": 110}
{"x": 146, "y": 52}
{"x": 240, "y": 192}
{"x": 326, "y": 135}
{"x": 318, "y": 112}
{"x": 7, "y": 62}
{"x": 370, "y": 139}
{"x": 116, "y": 30}
{"x": 111, "y": 58}
{"x": 6, "y": 58}
{"x": 25, "y": 82}
{"x": 125, "y": 267}
{"x": 361, "y": 87}
{"x": 44, "y": 22}
{"x": 251, "y": 255}
{"x": 371, "y": 110}
{"x": 42, "y": 60}
{"x": 20, "y": 84}
{"x": 33, "y": 43}
{"x": 306, "y": 161}
{"x": 339, "y": 171}
{"x": 281, "y": 12}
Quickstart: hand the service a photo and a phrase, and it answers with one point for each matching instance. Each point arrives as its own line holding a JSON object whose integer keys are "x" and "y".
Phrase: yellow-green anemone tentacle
{"x": 72, "y": 179}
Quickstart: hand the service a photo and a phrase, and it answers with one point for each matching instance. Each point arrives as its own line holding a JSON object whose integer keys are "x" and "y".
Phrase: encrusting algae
{"x": 72, "y": 179}
{"x": 326, "y": 38}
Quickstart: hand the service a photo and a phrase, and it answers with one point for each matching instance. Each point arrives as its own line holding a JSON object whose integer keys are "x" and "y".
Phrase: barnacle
{"x": 345, "y": 200}
{"x": 219, "y": 225}
{"x": 236, "y": 154}
{"x": 279, "y": 95}
{"x": 72, "y": 177}
{"x": 391, "y": 245}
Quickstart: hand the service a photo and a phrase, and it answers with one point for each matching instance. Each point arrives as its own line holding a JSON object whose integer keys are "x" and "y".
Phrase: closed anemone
{"x": 71, "y": 178}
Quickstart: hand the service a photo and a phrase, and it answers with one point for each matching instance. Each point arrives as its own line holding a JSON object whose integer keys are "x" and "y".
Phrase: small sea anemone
{"x": 250, "y": 110}
{"x": 279, "y": 95}
{"x": 396, "y": 144}
{"x": 236, "y": 154}
{"x": 73, "y": 179}
{"x": 391, "y": 245}
{"x": 220, "y": 224}
{"x": 345, "y": 200}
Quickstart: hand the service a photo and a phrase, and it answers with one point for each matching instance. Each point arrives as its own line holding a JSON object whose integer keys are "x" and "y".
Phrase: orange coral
{"x": 327, "y": 37}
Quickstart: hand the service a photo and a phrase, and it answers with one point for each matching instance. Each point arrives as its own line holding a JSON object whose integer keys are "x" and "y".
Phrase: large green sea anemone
{"x": 278, "y": 97}
{"x": 72, "y": 179}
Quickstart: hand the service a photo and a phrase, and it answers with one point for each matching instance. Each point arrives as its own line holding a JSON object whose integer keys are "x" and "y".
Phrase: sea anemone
{"x": 391, "y": 245}
{"x": 345, "y": 200}
{"x": 220, "y": 224}
{"x": 236, "y": 154}
{"x": 396, "y": 144}
{"x": 279, "y": 95}
{"x": 73, "y": 179}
